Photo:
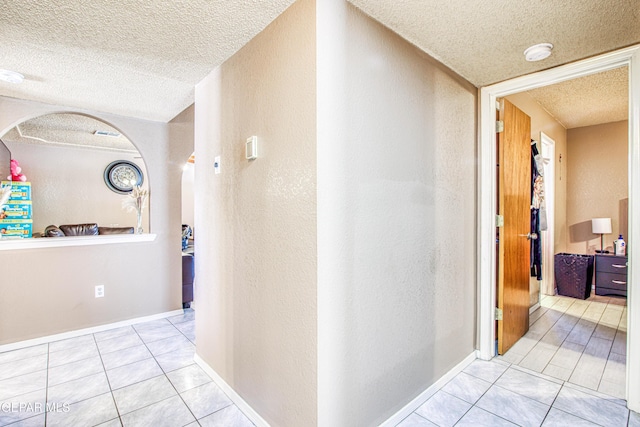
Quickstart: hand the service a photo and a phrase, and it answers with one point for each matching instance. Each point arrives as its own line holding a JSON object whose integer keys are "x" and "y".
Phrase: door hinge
{"x": 499, "y": 221}
{"x": 498, "y": 105}
{"x": 499, "y": 126}
{"x": 498, "y": 313}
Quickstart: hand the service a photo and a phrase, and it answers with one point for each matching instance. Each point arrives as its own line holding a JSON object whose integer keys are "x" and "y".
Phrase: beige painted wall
{"x": 391, "y": 257}
{"x": 542, "y": 121}
{"x": 396, "y": 219}
{"x": 48, "y": 291}
{"x": 256, "y": 221}
{"x": 68, "y": 185}
{"x": 597, "y": 186}
{"x": 188, "y": 195}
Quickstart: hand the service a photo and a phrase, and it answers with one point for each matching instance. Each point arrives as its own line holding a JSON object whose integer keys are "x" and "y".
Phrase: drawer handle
{"x": 619, "y": 282}
{"x": 618, "y": 266}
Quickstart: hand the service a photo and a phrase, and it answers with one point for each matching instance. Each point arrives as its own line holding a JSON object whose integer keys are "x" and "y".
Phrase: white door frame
{"x": 547, "y": 151}
{"x": 629, "y": 57}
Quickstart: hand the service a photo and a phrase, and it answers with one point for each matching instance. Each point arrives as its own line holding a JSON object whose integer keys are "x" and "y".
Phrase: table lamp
{"x": 601, "y": 226}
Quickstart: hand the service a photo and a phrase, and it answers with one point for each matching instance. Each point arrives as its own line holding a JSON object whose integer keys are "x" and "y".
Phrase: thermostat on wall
{"x": 252, "y": 148}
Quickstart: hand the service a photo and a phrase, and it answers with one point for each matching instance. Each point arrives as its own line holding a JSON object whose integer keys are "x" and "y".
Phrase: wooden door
{"x": 514, "y": 206}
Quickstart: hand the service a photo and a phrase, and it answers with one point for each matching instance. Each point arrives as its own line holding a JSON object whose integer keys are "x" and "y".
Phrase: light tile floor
{"x": 568, "y": 370}
{"x": 582, "y": 342}
{"x": 140, "y": 375}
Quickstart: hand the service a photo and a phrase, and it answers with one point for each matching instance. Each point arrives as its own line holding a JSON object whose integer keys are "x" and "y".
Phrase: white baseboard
{"x": 534, "y": 307}
{"x": 85, "y": 331}
{"x": 403, "y": 413}
{"x": 231, "y": 393}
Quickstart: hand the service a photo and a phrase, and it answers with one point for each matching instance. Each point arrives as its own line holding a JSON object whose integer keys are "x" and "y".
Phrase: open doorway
{"x": 188, "y": 233}
{"x": 625, "y": 57}
{"x": 580, "y": 337}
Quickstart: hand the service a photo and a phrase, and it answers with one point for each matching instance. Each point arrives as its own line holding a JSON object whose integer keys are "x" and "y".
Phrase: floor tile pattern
{"x": 582, "y": 342}
{"x": 140, "y": 375}
{"x": 568, "y": 370}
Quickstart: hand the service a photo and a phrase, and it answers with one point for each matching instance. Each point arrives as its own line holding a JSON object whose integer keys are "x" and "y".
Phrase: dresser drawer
{"x": 611, "y": 281}
{"x": 611, "y": 264}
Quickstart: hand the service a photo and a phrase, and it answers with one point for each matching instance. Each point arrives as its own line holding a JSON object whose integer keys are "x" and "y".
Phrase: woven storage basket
{"x": 574, "y": 274}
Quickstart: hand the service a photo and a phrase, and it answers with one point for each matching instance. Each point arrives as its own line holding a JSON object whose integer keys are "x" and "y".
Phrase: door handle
{"x": 530, "y": 236}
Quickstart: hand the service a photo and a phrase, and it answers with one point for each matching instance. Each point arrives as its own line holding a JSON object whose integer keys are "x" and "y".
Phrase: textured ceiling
{"x": 142, "y": 59}
{"x": 130, "y": 57}
{"x": 69, "y": 130}
{"x": 484, "y": 40}
{"x": 591, "y": 100}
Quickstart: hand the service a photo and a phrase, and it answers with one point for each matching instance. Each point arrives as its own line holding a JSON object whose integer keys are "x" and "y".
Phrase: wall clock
{"x": 122, "y": 175}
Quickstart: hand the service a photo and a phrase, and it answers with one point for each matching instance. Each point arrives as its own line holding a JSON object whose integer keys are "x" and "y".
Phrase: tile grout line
{"x": 164, "y": 373}
{"x": 474, "y": 405}
{"x": 46, "y": 388}
{"x": 167, "y": 377}
{"x": 573, "y": 370}
{"x": 115, "y": 404}
{"x": 565, "y": 339}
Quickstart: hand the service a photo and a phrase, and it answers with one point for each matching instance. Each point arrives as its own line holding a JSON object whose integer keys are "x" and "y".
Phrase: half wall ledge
{"x": 58, "y": 242}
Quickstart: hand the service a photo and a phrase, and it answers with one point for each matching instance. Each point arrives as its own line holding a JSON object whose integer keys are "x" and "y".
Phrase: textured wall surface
{"x": 396, "y": 219}
{"x": 68, "y": 186}
{"x": 57, "y": 284}
{"x": 188, "y": 188}
{"x": 542, "y": 121}
{"x": 597, "y": 184}
{"x": 256, "y": 221}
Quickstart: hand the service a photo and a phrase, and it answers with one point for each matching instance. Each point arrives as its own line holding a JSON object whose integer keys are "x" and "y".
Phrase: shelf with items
{"x": 16, "y": 216}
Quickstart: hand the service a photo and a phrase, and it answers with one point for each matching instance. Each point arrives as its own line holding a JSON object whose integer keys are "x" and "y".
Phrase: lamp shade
{"x": 601, "y": 225}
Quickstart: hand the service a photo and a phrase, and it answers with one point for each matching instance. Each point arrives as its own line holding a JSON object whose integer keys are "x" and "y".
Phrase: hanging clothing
{"x": 537, "y": 199}
{"x": 538, "y": 196}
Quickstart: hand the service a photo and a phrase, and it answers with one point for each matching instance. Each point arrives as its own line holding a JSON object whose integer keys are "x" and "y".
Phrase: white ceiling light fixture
{"x": 538, "y": 52}
{"x": 11, "y": 76}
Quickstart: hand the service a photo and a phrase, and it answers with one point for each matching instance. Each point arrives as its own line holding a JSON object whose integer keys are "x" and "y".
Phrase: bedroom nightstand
{"x": 611, "y": 275}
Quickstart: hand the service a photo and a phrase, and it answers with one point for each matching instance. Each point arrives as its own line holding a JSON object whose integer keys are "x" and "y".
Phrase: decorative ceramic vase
{"x": 139, "y": 226}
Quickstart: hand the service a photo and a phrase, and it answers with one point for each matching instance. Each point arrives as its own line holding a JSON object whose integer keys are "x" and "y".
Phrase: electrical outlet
{"x": 99, "y": 291}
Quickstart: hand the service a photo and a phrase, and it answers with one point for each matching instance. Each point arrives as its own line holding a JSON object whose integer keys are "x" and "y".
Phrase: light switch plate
{"x": 252, "y": 148}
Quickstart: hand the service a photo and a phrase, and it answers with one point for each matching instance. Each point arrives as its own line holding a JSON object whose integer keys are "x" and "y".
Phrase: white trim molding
{"x": 548, "y": 151}
{"x": 58, "y": 242}
{"x": 85, "y": 331}
{"x": 627, "y": 57}
{"x": 410, "y": 407}
{"x": 231, "y": 393}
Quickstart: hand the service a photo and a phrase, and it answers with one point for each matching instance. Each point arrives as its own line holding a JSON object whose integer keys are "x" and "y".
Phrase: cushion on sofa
{"x": 80, "y": 229}
{"x": 115, "y": 230}
{"x": 53, "y": 231}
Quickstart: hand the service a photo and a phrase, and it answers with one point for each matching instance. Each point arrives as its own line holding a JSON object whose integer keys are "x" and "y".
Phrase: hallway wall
{"x": 256, "y": 221}
{"x": 396, "y": 219}
{"x": 337, "y": 271}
